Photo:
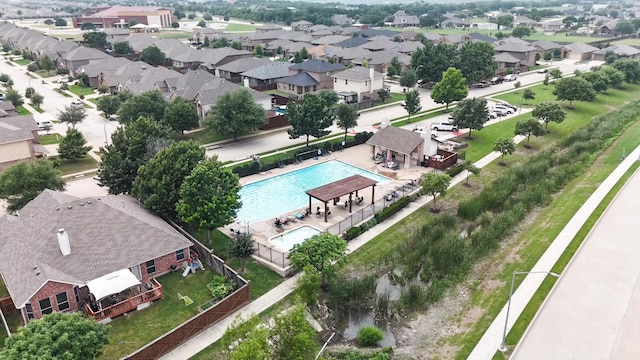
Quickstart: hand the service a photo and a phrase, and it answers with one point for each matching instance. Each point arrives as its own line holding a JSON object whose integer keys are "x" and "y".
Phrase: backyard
{"x": 74, "y": 166}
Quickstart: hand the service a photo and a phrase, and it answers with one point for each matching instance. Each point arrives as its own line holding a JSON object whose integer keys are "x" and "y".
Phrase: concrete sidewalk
{"x": 492, "y": 338}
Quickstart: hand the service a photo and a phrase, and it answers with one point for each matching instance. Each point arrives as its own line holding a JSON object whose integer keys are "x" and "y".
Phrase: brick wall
{"x": 50, "y": 290}
{"x": 163, "y": 265}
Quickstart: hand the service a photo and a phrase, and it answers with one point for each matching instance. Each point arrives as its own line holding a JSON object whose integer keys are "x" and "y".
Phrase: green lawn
{"x": 70, "y": 167}
{"x": 629, "y": 41}
{"x": 46, "y": 74}
{"x": 204, "y": 136}
{"x": 559, "y": 37}
{"x": 23, "y": 62}
{"x": 37, "y": 108}
{"x": 50, "y": 139}
{"x": 81, "y": 90}
{"x": 395, "y": 97}
{"x": 14, "y": 320}
{"x": 239, "y": 27}
{"x": 131, "y": 332}
{"x": 23, "y": 111}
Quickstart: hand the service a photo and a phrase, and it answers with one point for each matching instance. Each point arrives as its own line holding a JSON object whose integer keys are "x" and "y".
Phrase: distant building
{"x": 119, "y": 16}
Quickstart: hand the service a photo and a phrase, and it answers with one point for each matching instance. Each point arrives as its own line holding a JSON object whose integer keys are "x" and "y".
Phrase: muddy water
{"x": 358, "y": 319}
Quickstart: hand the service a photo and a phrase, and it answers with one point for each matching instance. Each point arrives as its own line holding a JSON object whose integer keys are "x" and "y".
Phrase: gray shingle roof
{"x": 243, "y": 64}
{"x": 317, "y": 66}
{"x": 351, "y": 42}
{"x": 215, "y": 88}
{"x": 108, "y": 234}
{"x": 381, "y": 45}
{"x": 301, "y": 79}
{"x": 506, "y": 58}
{"x": 84, "y": 53}
{"x": 620, "y": 49}
{"x": 396, "y": 139}
{"x": 357, "y": 73}
{"x": 16, "y": 128}
{"x": 330, "y": 39}
{"x": 581, "y": 48}
{"x": 274, "y": 70}
{"x": 546, "y": 45}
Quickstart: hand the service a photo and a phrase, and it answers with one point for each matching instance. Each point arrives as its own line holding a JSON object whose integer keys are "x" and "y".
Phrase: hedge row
{"x": 355, "y": 231}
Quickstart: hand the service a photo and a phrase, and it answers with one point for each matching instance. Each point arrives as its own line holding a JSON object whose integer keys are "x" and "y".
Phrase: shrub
{"x": 352, "y": 233}
{"x": 392, "y": 209}
{"x": 351, "y": 293}
{"x": 62, "y": 71}
{"x": 369, "y": 336}
{"x": 455, "y": 171}
{"x": 309, "y": 285}
{"x": 220, "y": 287}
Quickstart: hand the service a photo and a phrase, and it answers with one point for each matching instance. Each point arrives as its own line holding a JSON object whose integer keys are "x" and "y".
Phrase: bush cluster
{"x": 369, "y": 336}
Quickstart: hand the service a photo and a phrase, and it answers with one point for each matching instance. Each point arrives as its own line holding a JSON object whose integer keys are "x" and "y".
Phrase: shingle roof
{"x": 301, "y": 79}
{"x": 620, "y": 49}
{"x": 579, "y": 47}
{"x": 16, "y": 128}
{"x": 513, "y": 47}
{"x": 396, "y": 139}
{"x": 85, "y": 53}
{"x": 546, "y": 45}
{"x": 317, "y": 66}
{"x": 381, "y": 45}
{"x": 358, "y": 73}
{"x": 243, "y": 64}
{"x": 274, "y": 70}
{"x": 505, "y": 57}
{"x": 215, "y": 88}
{"x": 351, "y": 42}
{"x": 330, "y": 39}
{"x": 106, "y": 234}
{"x": 385, "y": 57}
{"x": 482, "y": 37}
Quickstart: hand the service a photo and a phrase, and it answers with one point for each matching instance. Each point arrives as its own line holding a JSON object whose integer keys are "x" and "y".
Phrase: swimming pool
{"x": 284, "y": 193}
{"x": 287, "y": 240}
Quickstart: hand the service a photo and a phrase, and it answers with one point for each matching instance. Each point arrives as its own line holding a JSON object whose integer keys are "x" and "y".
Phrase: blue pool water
{"x": 284, "y": 193}
{"x": 287, "y": 240}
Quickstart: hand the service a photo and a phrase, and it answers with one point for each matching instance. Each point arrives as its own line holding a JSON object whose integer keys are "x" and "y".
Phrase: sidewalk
{"x": 492, "y": 338}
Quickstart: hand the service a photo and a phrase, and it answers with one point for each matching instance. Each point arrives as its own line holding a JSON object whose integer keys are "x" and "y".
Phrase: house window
{"x": 45, "y": 306}
{"x": 151, "y": 266}
{"x": 346, "y": 82}
{"x": 29, "y": 311}
{"x": 315, "y": 88}
{"x": 335, "y": 80}
{"x": 180, "y": 255}
{"x": 63, "y": 301}
{"x": 366, "y": 83}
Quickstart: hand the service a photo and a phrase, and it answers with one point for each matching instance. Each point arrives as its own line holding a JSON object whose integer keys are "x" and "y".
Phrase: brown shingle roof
{"x": 396, "y": 139}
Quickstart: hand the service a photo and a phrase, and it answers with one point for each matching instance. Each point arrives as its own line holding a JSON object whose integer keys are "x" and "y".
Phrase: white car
{"x": 506, "y": 109}
{"x": 77, "y": 103}
{"x": 63, "y": 80}
{"x": 444, "y": 126}
{"x": 511, "y": 77}
{"x": 500, "y": 111}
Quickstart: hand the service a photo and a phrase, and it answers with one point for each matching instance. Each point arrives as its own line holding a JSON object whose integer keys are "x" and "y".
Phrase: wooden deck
{"x": 127, "y": 305}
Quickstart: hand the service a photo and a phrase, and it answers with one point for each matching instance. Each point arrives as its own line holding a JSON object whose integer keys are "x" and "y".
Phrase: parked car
{"x": 43, "y": 124}
{"x": 63, "y": 80}
{"x": 77, "y": 103}
{"x": 503, "y": 109}
{"x": 493, "y": 114}
{"x": 496, "y": 80}
{"x": 514, "y": 108}
{"x": 483, "y": 84}
{"x": 543, "y": 71}
{"x": 444, "y": 126}
{"x": 511, "y": 77}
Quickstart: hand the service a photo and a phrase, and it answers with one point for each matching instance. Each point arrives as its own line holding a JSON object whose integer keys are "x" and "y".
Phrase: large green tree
{"x": 521, "y": 31}
{"x": 209, "y": 196}
{"x": 408, "y": 78}
{"x": 529, "y": 127}
{"x": 180, "y": 115}
{"x": 549, "y": 112}
{"x": 14, "y": 97}
{"x": 152, "y": 55}
{"x": 131, "y": 147}
{"x": 597, "y": 79}
{"x": 309, "y": 116}
{"x": 57, "y": 336}
{"x": 95, "y": 39}
{"x": 412, "y": 103}
{"x": 504, "y": 146}
{"x": 109, "y": 105}
{"x": 151, "y": 104}
{"x": 394, "y": 68}
{"x": 624, "y": 27}
{"x": 45, "y": 63}
{"x": 471, "y": 113}
{"x": 73, "y": 145}
{"x": 614, "y": 77}
{"x": 630, "y": 68}
{"x": 157, "y": 184}
{"x": 574, "y": 88}
{"x": 476, "y": 61}
{"x": 451, "y": 88}
{"x": 323, "y": 251}
{"x": 432, "y": 61}
{"x": 72, "y": 115}
{"x": 22, "y": 182}
{"x": 122, "y": 48}
{"x": 235, "y": 113}
{"x": 347, "y": 118}
{"x": 433, "y": 184}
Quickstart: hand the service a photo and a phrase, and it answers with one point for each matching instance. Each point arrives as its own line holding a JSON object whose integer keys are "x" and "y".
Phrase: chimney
{"x": 63, "y": 241}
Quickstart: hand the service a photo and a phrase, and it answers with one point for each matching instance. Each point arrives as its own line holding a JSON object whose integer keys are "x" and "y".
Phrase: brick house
{"x": 18, "y": 137}
{"x": 97, "y": 255}
{"x": 319, "y": 70}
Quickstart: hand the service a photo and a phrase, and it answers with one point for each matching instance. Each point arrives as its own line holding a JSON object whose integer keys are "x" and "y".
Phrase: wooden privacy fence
{"x": 6, "y": 305}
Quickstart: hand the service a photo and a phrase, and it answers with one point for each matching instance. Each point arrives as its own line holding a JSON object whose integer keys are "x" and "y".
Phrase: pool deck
{"x": 359, "y": 156}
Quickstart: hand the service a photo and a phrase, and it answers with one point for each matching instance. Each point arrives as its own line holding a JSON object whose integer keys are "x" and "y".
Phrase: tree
{"x": 504, "y": 146}
{"x": 122, "y": 48}
{"x": 28, "y": 92}
{"x": 202, "y": 24}
{"x": 243, "y": 248}
{"x": 57, "y": 336}
{"x": 15, "y": 188}
{"x": 574, "y": 88}
{"x": 322, "y": 251}
{"x": 131, "y": 147}
{"x": 471, "y": 113}
{"x": 209, "y": 196}
{"x": 257, "y": 51}
{"x": 48, "y": 22}
{"x": 175, "y": 24}
{"x": 157, "y": 184}
{"x": 36, "y": 100}
{"x": 297, "y": 58}
{"x": 555, "y": 74}
{"x": 527, "y": 95}
{"x": 545, "y": 82}
{"x": 152, "y": 55}
{"x": 309, "y": 284}
{"x": 60, "y": 22}
{"x": 309, "y": 116}
{"x": 88, "y": 26}
{"x": 412, "y": 103}
{"x": 614, "y": 76}
{"x": 476, "y": 61}
{"x": 72, "y": 147}
{"x": 347, "y": 117}
{"x": 207, "y": 17}
{"x": 151, "y": 104}
{"x": 383, "y": 95}
{"x": 432, "y": 61}
{"x": 630, "y": 68}
{"x": 433, "y": 184}
{"x": 206, "y": 43}
{"x": 45, "y": 63}
{"x": 624, "y": 27}
{"x": 597, "y": 79}
{"x": 109, "y": 105}
{"x": 504, "y": 21}
{"x": 548, "y": 112}
{"x": 471, "y": 169}
{"x": 180, "y": 115}
{"x": 304, "y": 53}
{"x": 236, "y": 45}
{"x": 14, "y": 97}
{"x": 236, "y": 113}
{"x": 451, "y": 88}
{"x": 408, "y": 79}
{"x": 191, "y": 16}
{"x": 529, "y": 127}
{"x": 72, "y": 115}
{"x": 96, "y": 39}
{"x": 521, "y": 31}
{"x": 394, "y": 68}
{"x": 548, "y": 55}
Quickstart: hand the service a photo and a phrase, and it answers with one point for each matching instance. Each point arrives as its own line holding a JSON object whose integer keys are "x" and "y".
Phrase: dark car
{"x": 497, "y": 80}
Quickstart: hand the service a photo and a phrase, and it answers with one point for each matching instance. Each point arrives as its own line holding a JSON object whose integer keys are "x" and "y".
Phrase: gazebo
{"x": 336, "y": 189}
{"x": 397, "y": 145}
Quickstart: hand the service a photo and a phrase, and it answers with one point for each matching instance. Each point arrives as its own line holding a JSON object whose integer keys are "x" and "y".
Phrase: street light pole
{"x": 503, "y": 345}
{"x": 106, "y": 139}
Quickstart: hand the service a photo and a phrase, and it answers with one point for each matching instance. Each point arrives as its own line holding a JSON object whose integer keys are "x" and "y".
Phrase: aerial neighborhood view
{"x": 293, "y": 180}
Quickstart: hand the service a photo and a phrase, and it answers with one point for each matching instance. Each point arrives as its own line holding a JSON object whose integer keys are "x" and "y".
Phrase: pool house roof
{"x": 339, "y": 188}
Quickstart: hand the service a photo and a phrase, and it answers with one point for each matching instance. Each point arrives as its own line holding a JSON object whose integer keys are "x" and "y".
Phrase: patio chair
{"x": 187, "y": 299}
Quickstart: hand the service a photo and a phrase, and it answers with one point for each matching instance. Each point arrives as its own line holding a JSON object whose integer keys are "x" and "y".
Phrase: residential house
{"x": 409, "y": 47}
{"x": 398, "y": 146}
{"x": 214, "y": 58}
{"x": 358, "y": 84}
{"x": 268, "y": 27}
{"x": 102, "y": 73}
{"x": 474, "y": 36}
{"x": 345, "y": 56}
{"x": 250, "y": 41}
{"x": 291, "y": 49}
{"x": 298, "y": 85}
{"x": 455, "y": 22}
{"x": 621, "y": 50}
{"x": 115, "y": 35}
{"x": 319, "y": 70}
{"x": 80, "y": 56}
{"x": 401, "y": 19}
{"x": 200, "y": 34}
{"x": 351, "y": 42}
{"x": 552, "y": 26}
{"x": 607, "y": 28}
{"x": 378, "y": 45}
{"x": 231, "y": 71}
{"x": 380, "y": 60}
{"x": 330, "y": 40}
{"x": 264, "y": 77}
{"x": 301, "y": 26}
{"x": 148, "y": 78}
{"x": 97, "y": 255}
{"x": 368, "y": 33}
{"x": 187, "y": 59}
{"x": 322, "y": 33}
{"x": 523, "y": 21}
{"x": 543, "y": 46}
{"x": 579, "y": 51}
{"x": 506, "y": 61}
{"x": 519, "y": 49}
{"x": 341, "y": 19}
{"x": 406, "y": 35}
{"x": 318, "y": 27}
{"x": 206, "y": 97}
{"x": 18, "y": 137}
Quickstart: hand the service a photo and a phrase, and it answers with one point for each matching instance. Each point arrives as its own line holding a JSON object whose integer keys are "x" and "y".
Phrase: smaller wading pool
{"x": 287, "y": 240}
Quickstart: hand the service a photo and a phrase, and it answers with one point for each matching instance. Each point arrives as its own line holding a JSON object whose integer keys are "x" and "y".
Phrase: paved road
{"x": 593, "y": 312}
